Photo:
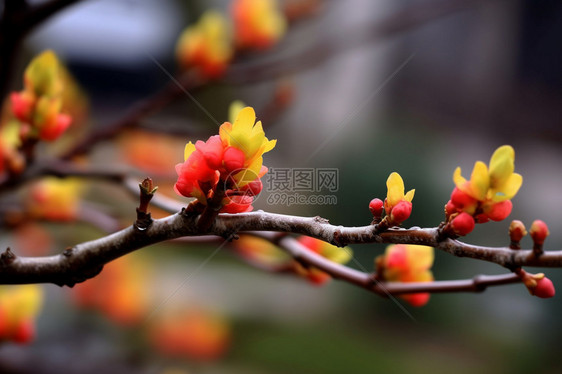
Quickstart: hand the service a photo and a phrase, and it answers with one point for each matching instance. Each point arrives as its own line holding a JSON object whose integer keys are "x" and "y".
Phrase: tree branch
{"x": 87, "y": 259}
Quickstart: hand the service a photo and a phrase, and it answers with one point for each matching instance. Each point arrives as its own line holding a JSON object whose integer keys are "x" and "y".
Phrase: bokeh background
{"x": 418, "y": 87}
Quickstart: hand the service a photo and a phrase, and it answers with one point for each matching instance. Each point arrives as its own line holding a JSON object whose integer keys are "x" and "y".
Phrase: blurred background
{"x": 368, "y": 87}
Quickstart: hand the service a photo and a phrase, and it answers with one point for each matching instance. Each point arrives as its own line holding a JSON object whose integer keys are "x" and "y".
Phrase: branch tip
{"x": 7, "y": 257}
{"x": 147, "y": 191}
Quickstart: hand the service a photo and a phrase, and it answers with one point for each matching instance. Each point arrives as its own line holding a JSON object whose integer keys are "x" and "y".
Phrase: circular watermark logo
{"x": 243, "y": 182}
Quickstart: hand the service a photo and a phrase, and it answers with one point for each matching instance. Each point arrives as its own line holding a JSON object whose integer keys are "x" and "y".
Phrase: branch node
{"x": 444, "y": 231}
{"x": 321, "y": 219}
{"x": 230, "y": 236}
{"x": 514, "y": 245}
{"x": 382, "y": 226}
{"x": 7, "y": 257}
{"x": 68, "y": 252}
{"x": 143, "y": 222}
{"x": 537, "y": 250}
{"x": 337, "y": 239}
{"x": 479, "y": 283}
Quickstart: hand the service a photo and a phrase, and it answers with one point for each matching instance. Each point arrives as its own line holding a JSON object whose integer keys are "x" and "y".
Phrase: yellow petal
{"x": 395, "y": 186}
{"x": 501, "y": 165}
{"x": 249, "y": 174}
{"x": 336, "y": 254}
{"x": 224, "y": 131}
{"x": 509, "y": 189}
{"x": 235, "y": 107}
{"x": 269, "y": 145}
{"x": 241, "y": 134}
{"x": 41, "y": 75}
{"x": 27, "y": 299}
{"x": 409, "y": 195}
{"x": 459, "y": 180}
{"x": 420, "y": 257}
{"x": 189, "y": 149}
{"x": 245, "y": 120}
{"x": 424, "y": 276}
{"x": 479, "y": 181}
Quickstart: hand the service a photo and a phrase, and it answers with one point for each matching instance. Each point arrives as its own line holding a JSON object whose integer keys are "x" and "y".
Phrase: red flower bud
{"x": 253, "y": 188}
{"x": 212, "y": 151}
{"x": 22, "y": 104}
{"x": 238, "y": 204}
{"x": 544, "y": 288}
{"x": 401, "y": 212}
{"x": 52, "y": 130}
{"x": 463, "y": 224}
{"x": 450, "y": 208}
{"x": 463, "y": 201}
{"x": 233, "y": 159}
{"x": 516, "y": 231}
{"x": 498, "y": 211}
{"x": 539, "y": 232}
{"x": 376, "y": 206}
{"x": 416, "y": 299}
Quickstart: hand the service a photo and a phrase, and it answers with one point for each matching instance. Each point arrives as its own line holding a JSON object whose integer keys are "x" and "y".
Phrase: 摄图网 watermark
{"x": 293, "y": 186}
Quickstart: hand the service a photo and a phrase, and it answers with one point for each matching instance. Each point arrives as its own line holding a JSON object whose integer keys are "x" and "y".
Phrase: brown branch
{"x": 338, "y": 235}
{"x": 86, "y": 260}
{"x": 367, "y": 281}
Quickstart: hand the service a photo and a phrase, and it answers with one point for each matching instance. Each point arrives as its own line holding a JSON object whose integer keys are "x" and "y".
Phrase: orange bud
{"x": 517, "y": 231}
{"x": 539, "y": 232}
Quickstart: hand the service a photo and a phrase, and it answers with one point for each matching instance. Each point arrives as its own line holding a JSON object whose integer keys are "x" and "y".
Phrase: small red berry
{"x": 401, "y": 212}
{"x": 376, "y": 206}
{"x": 463, "y": 224}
